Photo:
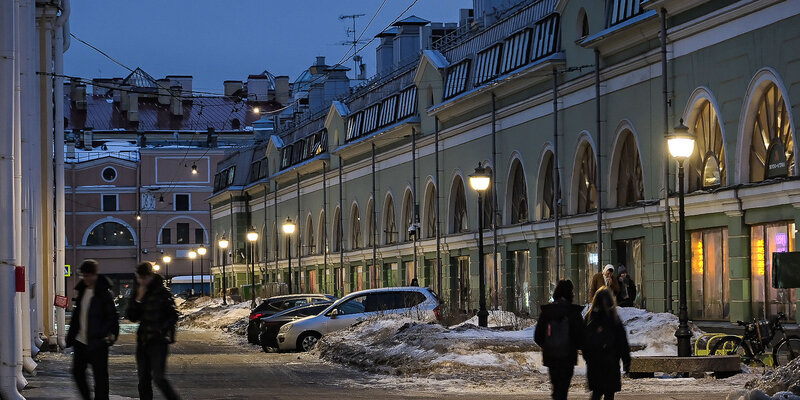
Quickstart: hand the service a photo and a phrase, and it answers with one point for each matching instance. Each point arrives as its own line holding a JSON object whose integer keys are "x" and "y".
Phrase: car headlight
{"x": 285, "y": 328}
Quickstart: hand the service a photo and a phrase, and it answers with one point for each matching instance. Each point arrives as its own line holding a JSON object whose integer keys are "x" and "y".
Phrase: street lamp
{"x": 156, "y": 267}
{"x": 192, "y": 256}
{"x": 166, "y": 260}
{"x": 223, "y": 244}
{"x": 288, "y": 230}
{"x": 681, "y": 146}
{"x": 479, "y": 181}
{"x": 202, "y": 251}
{"x": 252, "y": 236}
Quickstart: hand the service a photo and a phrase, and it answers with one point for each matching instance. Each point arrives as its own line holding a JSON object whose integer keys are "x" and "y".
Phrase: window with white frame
{"x": 515, "y": 50}
{"x": 408, "y": 102}
{"x": 110, "y": 202}
{"x": 621, "y": 10}
{"x": 354, "y": 126}
{"x": 486, "y": 66}
{"x": 546, "y": 38}
{"x": 371, "y": 118}
{"x": 456, "y": 81}
{"x": 388, "y": 109}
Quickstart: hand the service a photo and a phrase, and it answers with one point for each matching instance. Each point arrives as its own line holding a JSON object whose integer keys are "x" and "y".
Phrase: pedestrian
{"x": 627, "y": 289}
{"x": 560, "y": 333}
{"x": 154, "y": 309}
{"x": 93, "y": 329}
{"x": 606, "y": 343}
{"x": 605, "y": 278}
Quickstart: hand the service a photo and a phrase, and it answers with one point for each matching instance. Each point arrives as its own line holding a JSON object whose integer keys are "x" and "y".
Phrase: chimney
{"x": 77, "y": 93}
{"x": 185, "y": 82}
{"x": 282, "y": 89}
{"x": 163, "y": 91}
{"x": 88, "y": 138}
{"x": 410, "y": 39}
{"x": 133, "y": 107}
{"x": 175, "y": 104}
{"x": 124, "y": 97}
{"x": 232, "y": 87}
{"x": 466, "y": 16}
{"x": 257, "y": 88}
{"x": 263, "y": 128}
{"x": 211, "y": 138}
{"x": 114, "y": 84}
{"x": 336, "y": 84}
{"x": 384, "y": 53}
{"x": 319, "y": 66}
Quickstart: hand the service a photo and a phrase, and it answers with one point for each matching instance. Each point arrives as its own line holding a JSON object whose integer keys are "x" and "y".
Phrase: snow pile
{"x": 653, "y": 332}
{"x": 504, "y": 319}
{"x": 208, "y": 313}
{"x": 400, "y": 345}
{"x": 781, "y": 379}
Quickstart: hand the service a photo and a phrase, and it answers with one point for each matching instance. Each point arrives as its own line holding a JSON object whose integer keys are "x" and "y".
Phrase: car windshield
{"x": 305, "y": 311}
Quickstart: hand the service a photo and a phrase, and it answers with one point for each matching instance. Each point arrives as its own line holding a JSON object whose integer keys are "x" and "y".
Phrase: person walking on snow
{"x": 560, "y": 333}
{"x": 94, "y": 328}
{"x": 605, "y": 278}
{"x": 154, "y": 309}
{"x": 627, "y": 289}
{"x": 605, "y": 344}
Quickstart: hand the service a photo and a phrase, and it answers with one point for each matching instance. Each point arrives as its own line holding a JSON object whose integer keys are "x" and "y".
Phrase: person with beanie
{"x": 627, "y": 289}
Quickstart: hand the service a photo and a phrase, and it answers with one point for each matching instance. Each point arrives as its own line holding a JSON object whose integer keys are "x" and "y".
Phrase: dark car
{"x": 276, "y": 304}
{"x": 268, "y": 337}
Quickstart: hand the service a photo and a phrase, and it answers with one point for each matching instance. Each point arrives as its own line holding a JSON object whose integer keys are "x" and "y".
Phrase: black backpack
{"x": 557, "y": 338}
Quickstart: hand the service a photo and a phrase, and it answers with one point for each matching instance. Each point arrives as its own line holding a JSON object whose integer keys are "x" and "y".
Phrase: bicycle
{"x": 758, "y": 335}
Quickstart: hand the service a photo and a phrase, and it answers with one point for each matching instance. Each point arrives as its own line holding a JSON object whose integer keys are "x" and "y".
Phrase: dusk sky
{"x": 216, "y": 40}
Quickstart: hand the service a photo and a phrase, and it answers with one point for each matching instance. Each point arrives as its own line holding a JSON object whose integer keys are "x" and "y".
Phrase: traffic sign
{"x": 67, "y": 270}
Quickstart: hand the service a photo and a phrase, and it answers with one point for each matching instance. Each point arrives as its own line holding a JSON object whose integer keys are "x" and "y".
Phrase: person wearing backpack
{"x": 605, "y": 345}
{"x": 560, "y": 333}
{"x": 154, "y": 309}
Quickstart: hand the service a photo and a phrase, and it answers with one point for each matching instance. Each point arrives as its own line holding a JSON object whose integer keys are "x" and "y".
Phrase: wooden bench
{"x": 721, "y": 366}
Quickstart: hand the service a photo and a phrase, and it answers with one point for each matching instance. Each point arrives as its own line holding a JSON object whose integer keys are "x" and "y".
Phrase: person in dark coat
{"x": 562, "y": 364}
{"x": 93, "y": 329}
{"x": 605, "y": 278}
{"x": 627, "y": 289}
{"x": 606, "y": 343}
{"x": 154, "y": 309}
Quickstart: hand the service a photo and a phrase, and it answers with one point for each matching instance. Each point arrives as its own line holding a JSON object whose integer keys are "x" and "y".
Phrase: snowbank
{"x": 653, "y": 332}
{"x": 781, "y": 379}
{"x": 503, "y": 319}
{"x": 208, "y": 313}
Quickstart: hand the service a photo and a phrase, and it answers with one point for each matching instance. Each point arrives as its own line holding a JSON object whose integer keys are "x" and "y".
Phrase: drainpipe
{"x": 325, "y": 224}
{"x": 58, "y": 131}
{"x": 598, "y": 161}
{"x": 300, "y": 221}
{"x": 340, "y": 232}
{"x": 493, "y": 221}
{"x": 277, "y": 240}
{"x": 556, "y": 192}
{"x": 414, "y": 194}
{"x": 266, "y": 238}
{"x": 438, "y": 233}
{"x": 667, "y": 219}
{"x": 9, "y": 351}
{"x": 374, "y": 220}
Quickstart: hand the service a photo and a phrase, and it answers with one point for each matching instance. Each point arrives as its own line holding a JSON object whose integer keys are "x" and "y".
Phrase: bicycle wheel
{"x": 786, "y": 351}
{"x": 732, "y": 345}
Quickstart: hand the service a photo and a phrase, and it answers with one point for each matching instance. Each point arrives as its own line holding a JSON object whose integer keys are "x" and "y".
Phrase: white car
{"x": 418, "y": 302}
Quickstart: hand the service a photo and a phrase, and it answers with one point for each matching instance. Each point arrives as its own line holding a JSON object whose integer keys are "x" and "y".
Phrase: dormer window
{"x": 621, "y": 10}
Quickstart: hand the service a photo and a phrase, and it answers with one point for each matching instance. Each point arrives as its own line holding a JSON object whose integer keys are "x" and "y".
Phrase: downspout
{"x": 598, "y": 161}
{"x": 325, "y": 224}
{"x": 414, "y": 194}
{"x": 436, "y": 193}
{"x": 266, "y": 238}
{"x": 9, "y": 351}
{"x": 138, "y": 209}
{"x": 277, "y": 240}
{"x": 667, "y": 218}
{"x": 231, "y": 250}
{"x": 374, "y": 220}
{"x": 340, "y": 233}
{"x": 58, "y": 132}
{"x": 299, "y": 282}
{"x": 556, "y": 186}
{"x": 493, "y": 221}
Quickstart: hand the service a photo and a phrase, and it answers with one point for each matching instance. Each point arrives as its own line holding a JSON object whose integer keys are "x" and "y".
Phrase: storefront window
{"x": 408, "y": 273}
{"x": 493, "y": 289}
{"x": 587, "y": 267}
{"x": 765, "y": 240}
{"x": 549, "y": 255}
{"x": 710, "y": 294}
{"x": 523, "y": 289}
{"x": 630, "y": 254}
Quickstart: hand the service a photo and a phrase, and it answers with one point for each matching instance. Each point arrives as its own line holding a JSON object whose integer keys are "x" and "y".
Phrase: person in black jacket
{"x": 93, "y": 328}
{"x": 154, "y": 309}
{"x": 627, "y": 288}
{"x": 605, "y": 345}
{"x": 560, "y": 333}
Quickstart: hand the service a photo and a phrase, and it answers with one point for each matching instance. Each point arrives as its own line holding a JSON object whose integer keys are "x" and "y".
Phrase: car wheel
{"x": 262, "y": 339}
{"x": 307, "y": 341}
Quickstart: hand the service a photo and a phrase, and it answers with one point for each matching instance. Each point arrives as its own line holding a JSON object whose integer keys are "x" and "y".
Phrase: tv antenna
{"x": 354, "y": 42}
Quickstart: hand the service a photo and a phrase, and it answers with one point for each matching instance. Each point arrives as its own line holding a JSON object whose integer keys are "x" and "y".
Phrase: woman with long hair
{"x": 605, "y": 345}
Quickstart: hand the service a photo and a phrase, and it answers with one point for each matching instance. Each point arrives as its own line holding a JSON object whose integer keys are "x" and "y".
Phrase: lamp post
{"x": 288, "y": 230}
{"x": 166, "y": 260}
{"x": 156, "y": 267}
{"x": 681, "y": 146}
{"x": 202, "y": 251}
{"x": 252, "y": 236}
{"x": 479, "y": 181}
{"x": 192, "y": 256}
{"x": 223, "y": 244}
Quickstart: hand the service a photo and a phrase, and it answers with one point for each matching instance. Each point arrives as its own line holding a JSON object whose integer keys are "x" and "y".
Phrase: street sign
{"x": 67, "y": 270}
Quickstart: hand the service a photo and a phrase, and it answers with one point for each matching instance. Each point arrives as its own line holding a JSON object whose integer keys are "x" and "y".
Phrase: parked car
{"x": 276, "y": 304}
{"x": 303, "y": 334}
{"x": 268, "y": 335}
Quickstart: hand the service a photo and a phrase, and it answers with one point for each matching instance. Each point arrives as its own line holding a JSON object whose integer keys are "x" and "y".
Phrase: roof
{"x": 412, "y": 20}
{"x": 140, "y": 79}
{"x": 391, "y": 31}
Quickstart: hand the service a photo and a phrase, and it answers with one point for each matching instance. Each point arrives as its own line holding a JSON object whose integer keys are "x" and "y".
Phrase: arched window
{"x": 707, "y": 164}
{"x": 408, "y": 215}
{"x": 355, "y": 228}
{"x": 629, "y": 173}
{"x": 110, "y": 234}
{"x": 310, "y": 243}
{"x": 430, "y": 211}
{"x": 459, "y": 206}
{"x": 583, "y": 24}
{"x": 236, "y": 124}
{"x": 337, "y": 230}
{"x": 519, "y": 195}
{"x": 370, "y": 224}
{"x": 587, "y": 180}
{"x": 548, "y": 194}
{"x": 389, "y": 226}
{"x": 772, "y": 141}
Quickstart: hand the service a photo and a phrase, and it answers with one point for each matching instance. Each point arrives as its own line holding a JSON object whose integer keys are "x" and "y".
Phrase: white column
{"x": 58, "y": 160}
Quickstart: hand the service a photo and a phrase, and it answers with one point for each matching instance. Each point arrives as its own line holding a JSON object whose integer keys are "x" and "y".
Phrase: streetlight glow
{"x": 480, "y": 179}
{"x": 257, "y": 110}
{"x": 156, "y": 267}
{"x": 192, "y": 254}
{"x": 223, "y": 243}
{"x": 288, "y": 226}
{"x": 201, "y": 251}
{"x": 252, "y": 236}
{"x": 166, "y": 259}
{"x": 681, "y": 142}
